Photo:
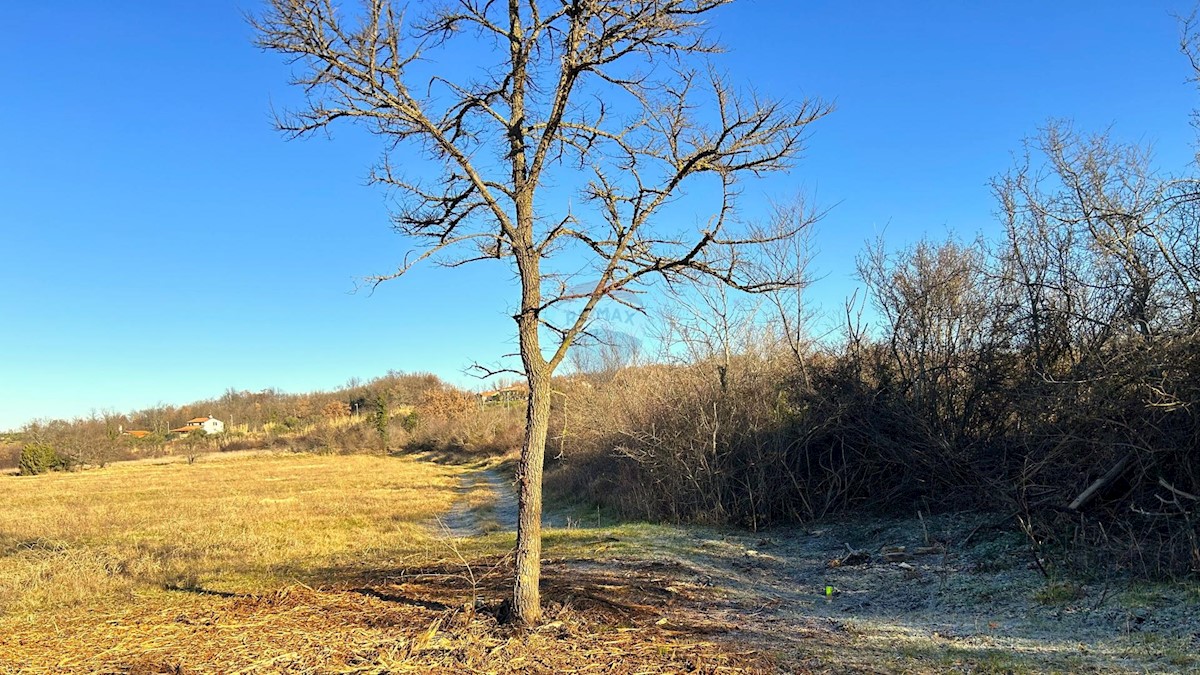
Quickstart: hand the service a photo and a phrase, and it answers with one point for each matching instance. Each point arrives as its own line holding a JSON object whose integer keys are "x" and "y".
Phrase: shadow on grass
{"x": 451, "y": 454}
{"x": 616, "y": 594}
{"x": 402, "y": 599}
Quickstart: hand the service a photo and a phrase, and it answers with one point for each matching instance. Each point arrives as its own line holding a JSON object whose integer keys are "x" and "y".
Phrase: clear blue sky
{"x": 159, "y": 241}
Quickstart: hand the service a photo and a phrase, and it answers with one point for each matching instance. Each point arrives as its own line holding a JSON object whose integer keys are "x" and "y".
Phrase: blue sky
{"x": 159, "y": 241}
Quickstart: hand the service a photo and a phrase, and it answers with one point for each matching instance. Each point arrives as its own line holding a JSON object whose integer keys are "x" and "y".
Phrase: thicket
{"x": 1053, "y": 375}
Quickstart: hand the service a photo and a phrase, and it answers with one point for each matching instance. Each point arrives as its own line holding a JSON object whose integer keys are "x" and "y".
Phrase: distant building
{"x": 515, "y": 392}
{"x": 209, "y": 425}
{"x": 137, "y": 433}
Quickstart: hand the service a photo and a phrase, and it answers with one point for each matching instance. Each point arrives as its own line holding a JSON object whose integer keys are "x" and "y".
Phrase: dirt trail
{"x": 486, "y": 503}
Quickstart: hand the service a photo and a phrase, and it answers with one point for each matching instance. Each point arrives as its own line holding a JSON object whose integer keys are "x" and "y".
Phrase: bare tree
{"x": 789, "y": 259}
{"x": 614, "y": 98}
{"x": 604, "y": 352}
{"x": 941, "y": 316}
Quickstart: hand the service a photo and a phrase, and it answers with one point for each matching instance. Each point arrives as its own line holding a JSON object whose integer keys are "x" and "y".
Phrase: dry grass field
{"x": 295, "y": 563}
{"x": 235, "y": 525}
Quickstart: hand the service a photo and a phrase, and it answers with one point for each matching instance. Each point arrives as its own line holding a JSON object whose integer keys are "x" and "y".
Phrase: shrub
{"x": 446, "y": 403}
{"x": 335, "y": 410}
{"x": 38, "y": 458}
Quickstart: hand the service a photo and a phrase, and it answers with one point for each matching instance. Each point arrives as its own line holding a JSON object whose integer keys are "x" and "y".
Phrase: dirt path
{"x": 486, "y": 503}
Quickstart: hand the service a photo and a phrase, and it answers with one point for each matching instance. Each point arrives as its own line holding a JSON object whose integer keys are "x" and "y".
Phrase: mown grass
{"x": 232, "y": 526}
{"x": 299, "y": 563}
{"x": 86, "y": 549}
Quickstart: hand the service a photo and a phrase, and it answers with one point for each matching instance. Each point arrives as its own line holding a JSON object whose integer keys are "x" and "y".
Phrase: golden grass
{"x": 221, "y": 525}
{"x": 296, "y": 563}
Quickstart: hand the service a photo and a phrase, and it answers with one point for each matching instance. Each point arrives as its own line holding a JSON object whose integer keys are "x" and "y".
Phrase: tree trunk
{"x": 527, "y": 608}
{"x": 527, "y": 604}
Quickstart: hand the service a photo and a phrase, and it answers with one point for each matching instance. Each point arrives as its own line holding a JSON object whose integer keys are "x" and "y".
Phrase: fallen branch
{"x": 1100, "y": 483}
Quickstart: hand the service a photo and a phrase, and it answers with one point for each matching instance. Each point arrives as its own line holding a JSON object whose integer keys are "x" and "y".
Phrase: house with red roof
{"x": 209, "y": 425}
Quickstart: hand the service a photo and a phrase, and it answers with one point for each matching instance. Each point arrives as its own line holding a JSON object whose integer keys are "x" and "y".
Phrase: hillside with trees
{"x": 391, "y": 412}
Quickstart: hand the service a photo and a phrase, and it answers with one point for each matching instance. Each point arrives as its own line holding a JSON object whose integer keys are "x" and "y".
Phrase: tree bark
{"x": 527, "y": 609}
{"x": 527, "y": 604}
